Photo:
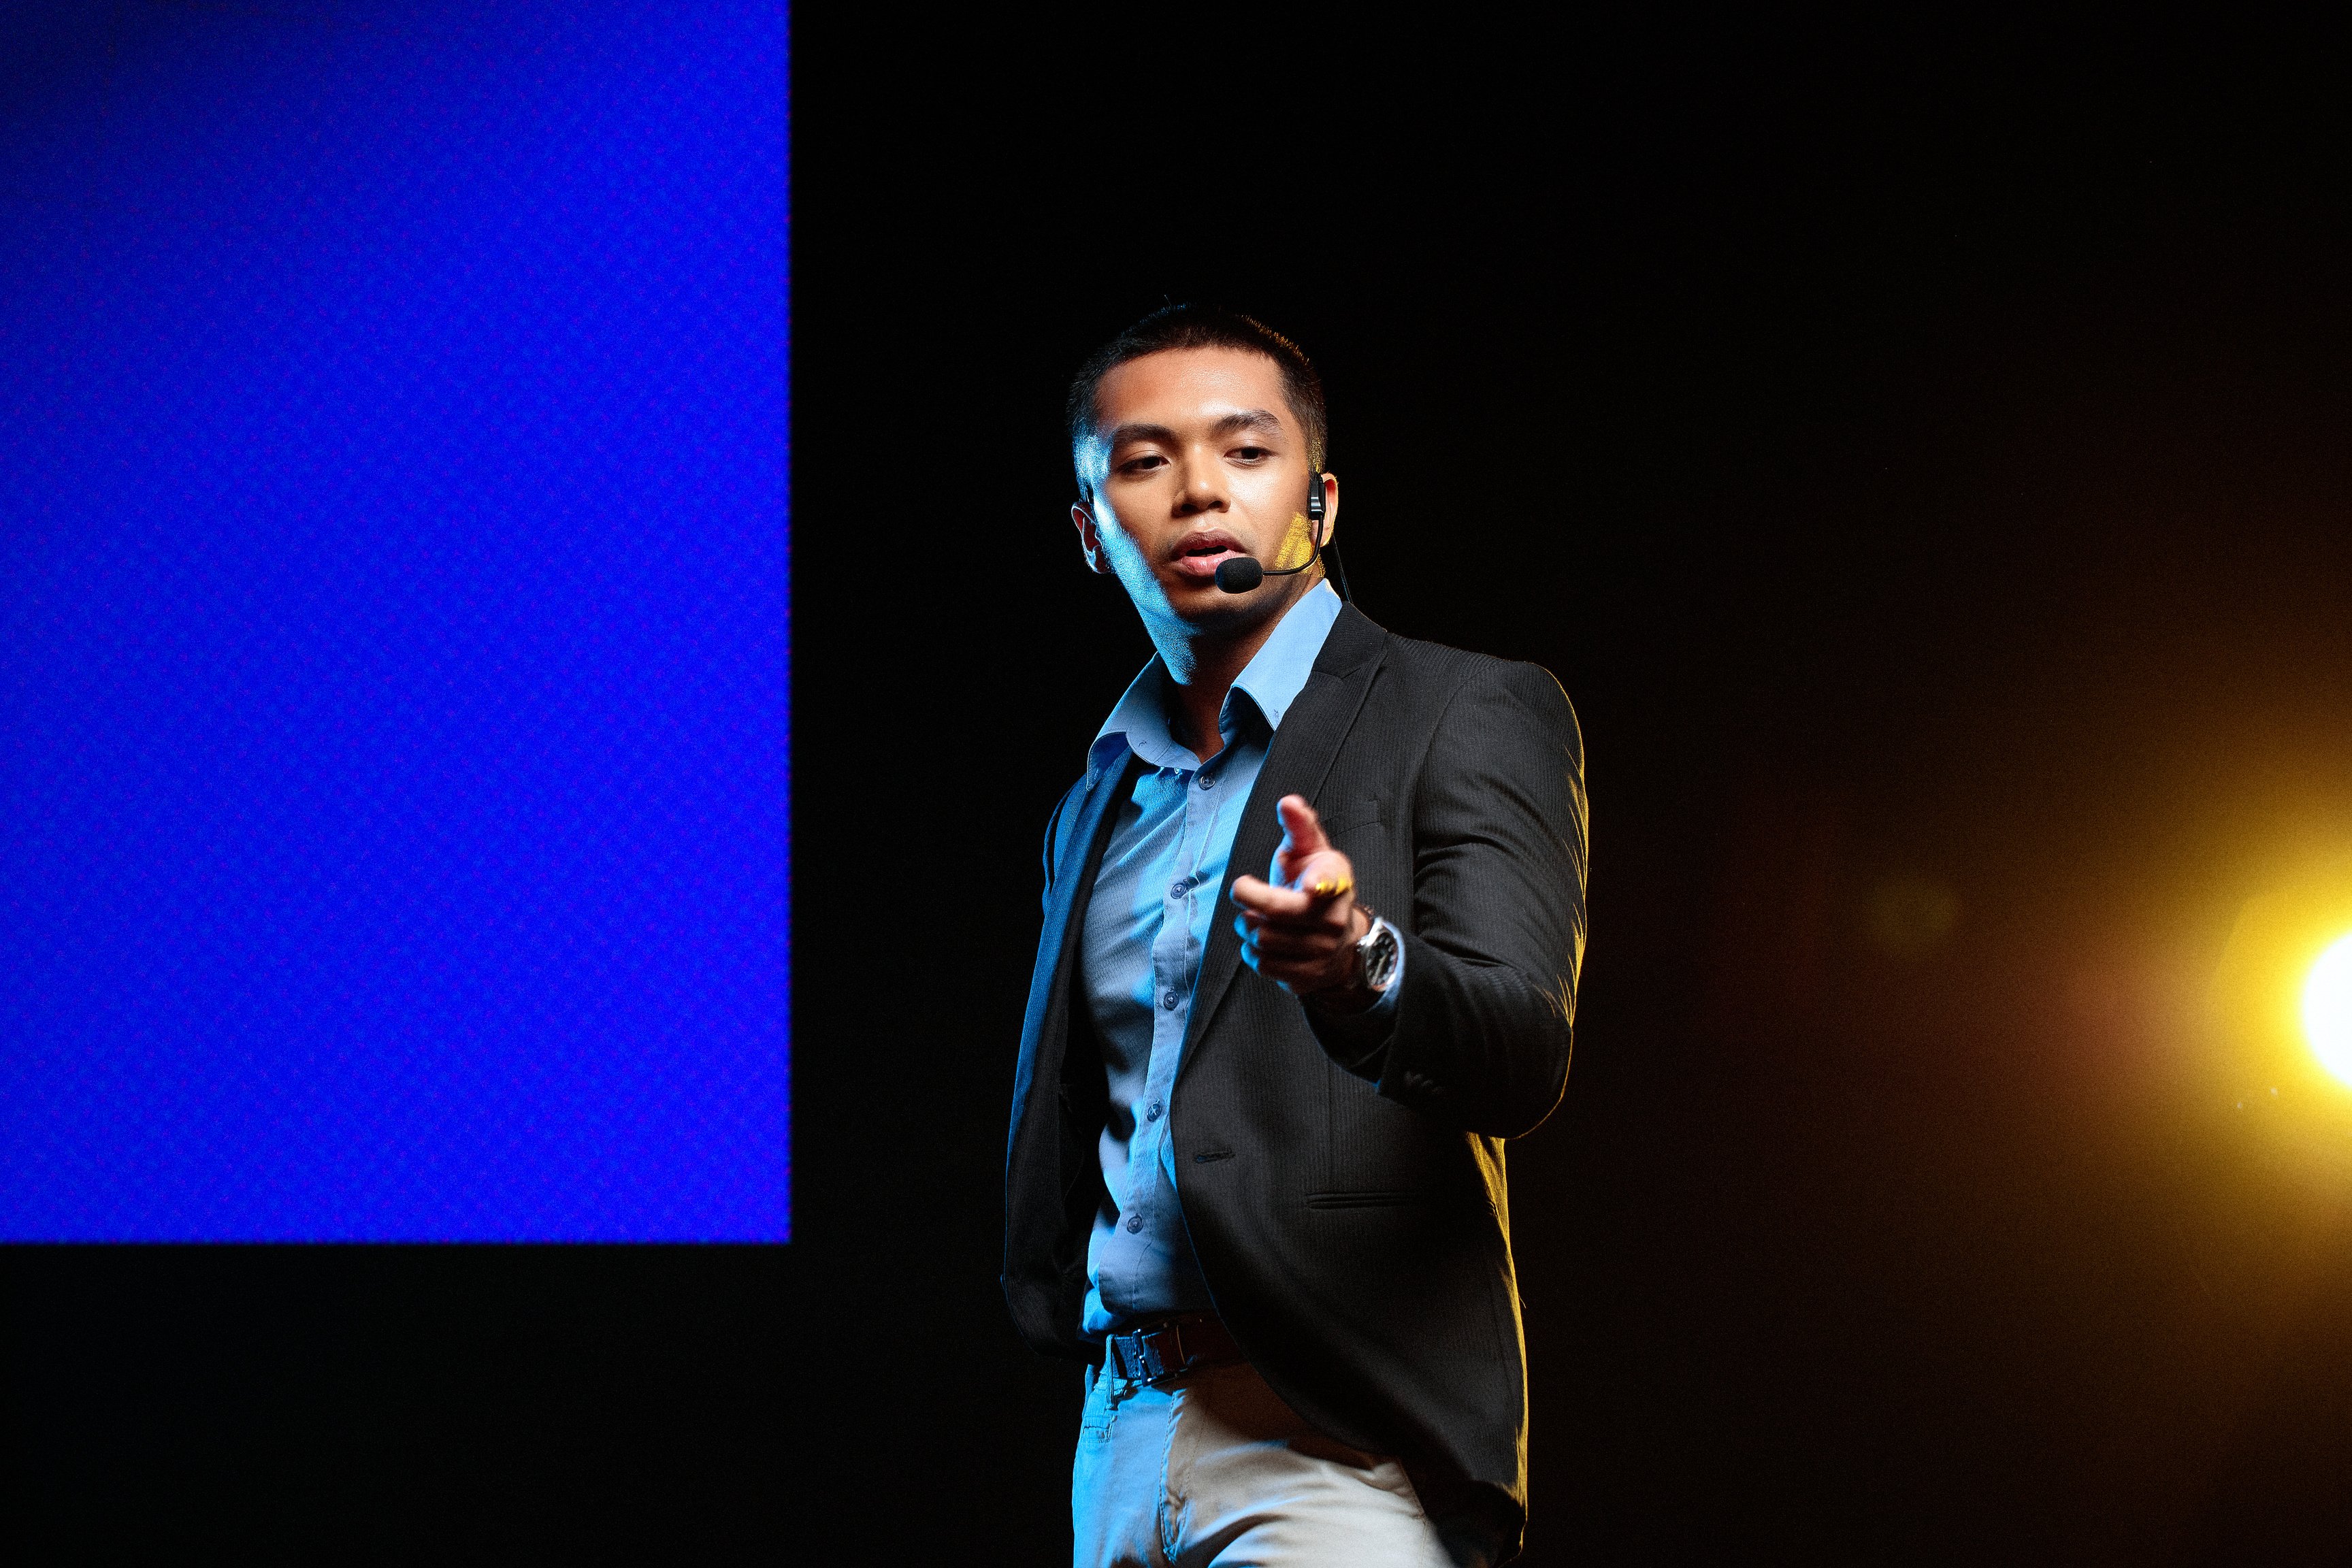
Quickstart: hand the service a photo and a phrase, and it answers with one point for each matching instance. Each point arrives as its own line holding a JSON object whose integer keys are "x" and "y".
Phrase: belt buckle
{"x": 1156, "y": 1345}
{"x": 1140, "y": 1356}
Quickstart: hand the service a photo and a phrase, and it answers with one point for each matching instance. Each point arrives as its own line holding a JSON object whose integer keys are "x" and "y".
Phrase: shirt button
{"x": 1180, "y": 886}
{"x": 1208, "y": 781}
{"x": 1168, "y": 1000}
{"x": 1134, "y": 1224}
{"x": 1152, "y": 1114}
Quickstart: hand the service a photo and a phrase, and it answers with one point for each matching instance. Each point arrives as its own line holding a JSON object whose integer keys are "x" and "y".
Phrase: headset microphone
{"x": 1243, "y": 572}
{"x": 1240, "y": 574}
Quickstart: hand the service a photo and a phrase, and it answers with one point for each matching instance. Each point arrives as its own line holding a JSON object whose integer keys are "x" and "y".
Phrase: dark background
{"x": 1920, "y": 453}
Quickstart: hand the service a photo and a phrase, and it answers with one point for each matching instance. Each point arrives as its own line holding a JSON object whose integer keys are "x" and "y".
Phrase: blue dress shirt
{"x": 1146, "y": 925}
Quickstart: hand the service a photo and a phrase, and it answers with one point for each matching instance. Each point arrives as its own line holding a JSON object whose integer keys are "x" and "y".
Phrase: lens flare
{"x": 2327, "y": 1009}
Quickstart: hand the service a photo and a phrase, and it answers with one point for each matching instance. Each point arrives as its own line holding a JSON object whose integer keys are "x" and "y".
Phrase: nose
{"x": 1204, "y": 488}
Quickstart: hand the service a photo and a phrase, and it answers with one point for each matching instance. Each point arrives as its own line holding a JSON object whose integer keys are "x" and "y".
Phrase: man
{"x": 1255, "y": 1172}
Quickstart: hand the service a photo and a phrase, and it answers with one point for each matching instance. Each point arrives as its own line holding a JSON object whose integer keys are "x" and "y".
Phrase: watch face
{"x": 1380, "y": 957}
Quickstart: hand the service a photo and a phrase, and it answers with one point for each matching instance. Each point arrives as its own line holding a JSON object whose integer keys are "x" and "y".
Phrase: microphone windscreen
{"x": 1240, "y": 574}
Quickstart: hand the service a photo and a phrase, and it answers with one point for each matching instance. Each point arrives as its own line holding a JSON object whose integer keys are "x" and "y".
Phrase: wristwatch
{"x": 1376, "y": 954}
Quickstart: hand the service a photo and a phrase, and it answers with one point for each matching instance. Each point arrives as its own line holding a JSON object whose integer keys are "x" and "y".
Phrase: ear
{"x": 1090, "y": 540}
{"x": 1331, "y": 507}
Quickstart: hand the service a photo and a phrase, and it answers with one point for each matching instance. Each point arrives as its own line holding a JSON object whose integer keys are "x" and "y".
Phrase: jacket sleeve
{"x": 1480, "y": 1035}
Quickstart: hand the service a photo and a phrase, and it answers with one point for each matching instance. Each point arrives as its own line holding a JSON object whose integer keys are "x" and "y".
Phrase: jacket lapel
{"x": 1296, "y": 764}
{"x": 1079, "y": 838}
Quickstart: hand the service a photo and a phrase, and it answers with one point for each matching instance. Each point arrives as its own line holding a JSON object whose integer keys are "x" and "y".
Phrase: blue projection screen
{"x": 394, "y": 653}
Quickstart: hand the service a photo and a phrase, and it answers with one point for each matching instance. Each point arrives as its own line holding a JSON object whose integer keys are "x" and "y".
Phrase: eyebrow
{"x": 1256, "y": 420}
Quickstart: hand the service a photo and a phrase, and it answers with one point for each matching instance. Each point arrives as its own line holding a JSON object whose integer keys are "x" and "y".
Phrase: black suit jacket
{"x": 1345, "y": 1193}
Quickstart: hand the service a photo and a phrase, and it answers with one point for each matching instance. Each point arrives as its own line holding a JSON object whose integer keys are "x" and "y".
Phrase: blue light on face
{"x": 395, "y": 649}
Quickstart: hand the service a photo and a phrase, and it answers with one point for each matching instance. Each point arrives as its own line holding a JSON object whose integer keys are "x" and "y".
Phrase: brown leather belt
{"x": 1167, "y": 1346}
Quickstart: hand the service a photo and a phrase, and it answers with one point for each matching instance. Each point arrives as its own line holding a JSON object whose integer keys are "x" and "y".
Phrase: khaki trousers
{"x": 1213, "y": 1468}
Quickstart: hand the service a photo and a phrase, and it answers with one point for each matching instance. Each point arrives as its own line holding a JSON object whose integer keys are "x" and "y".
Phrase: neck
{"x": 1203, "y": 662}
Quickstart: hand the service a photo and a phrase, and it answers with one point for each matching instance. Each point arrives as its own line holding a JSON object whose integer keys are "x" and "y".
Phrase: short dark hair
{"x": 1191, "y": 326}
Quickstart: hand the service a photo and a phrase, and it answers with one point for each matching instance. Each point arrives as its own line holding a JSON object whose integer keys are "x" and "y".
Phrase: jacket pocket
{"x": 1387, "y": 1200}
{"x": 1371, "y": 1144}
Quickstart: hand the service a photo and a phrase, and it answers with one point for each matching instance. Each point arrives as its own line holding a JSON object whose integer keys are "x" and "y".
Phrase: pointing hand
{"x": 1299, "y": 926}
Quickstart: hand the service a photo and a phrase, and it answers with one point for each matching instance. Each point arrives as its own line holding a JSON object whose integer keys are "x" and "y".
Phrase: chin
{"x": 1212, "y": 607}
{"x": 1185, "y": 598}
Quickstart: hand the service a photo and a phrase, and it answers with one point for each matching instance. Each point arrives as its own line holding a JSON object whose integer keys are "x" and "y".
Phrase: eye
{"x": 1143, "y": 464}
{"x": 1251, "y": 454}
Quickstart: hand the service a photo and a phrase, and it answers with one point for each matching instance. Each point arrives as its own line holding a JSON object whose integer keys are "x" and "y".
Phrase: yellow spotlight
{"x": 2327, "y": 1009}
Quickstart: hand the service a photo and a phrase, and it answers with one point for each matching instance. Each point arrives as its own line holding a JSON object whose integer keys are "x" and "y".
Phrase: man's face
{"x": 1197, "y": 458}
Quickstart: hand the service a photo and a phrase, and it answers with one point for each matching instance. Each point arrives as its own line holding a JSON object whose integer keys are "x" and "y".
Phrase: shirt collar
{"x": 1272, "y": 679}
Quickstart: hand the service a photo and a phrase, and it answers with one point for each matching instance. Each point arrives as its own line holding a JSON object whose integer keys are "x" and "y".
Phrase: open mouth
{"x": 1198, "y": 555}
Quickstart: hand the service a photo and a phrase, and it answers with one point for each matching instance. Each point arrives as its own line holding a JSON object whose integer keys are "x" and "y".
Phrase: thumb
{"x": 1302, "y": 831}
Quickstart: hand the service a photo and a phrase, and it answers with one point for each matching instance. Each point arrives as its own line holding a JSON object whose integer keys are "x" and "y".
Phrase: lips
{"x": 1197, "y": 554}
